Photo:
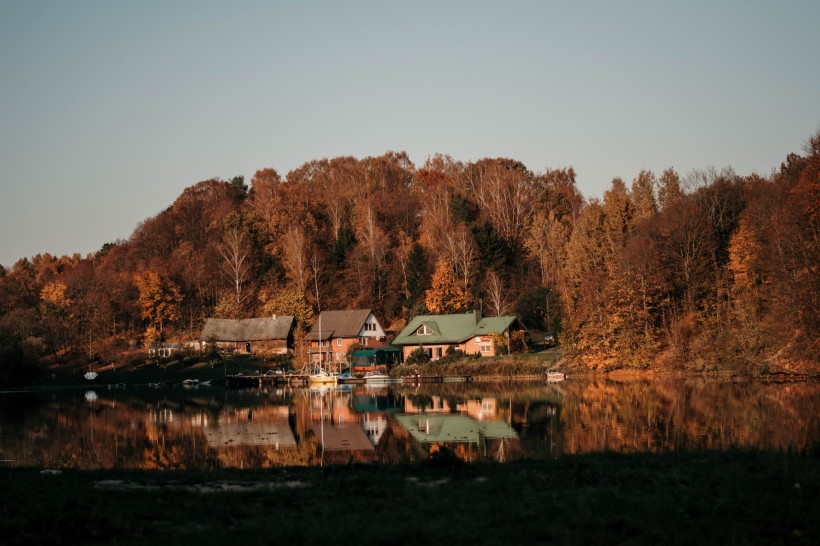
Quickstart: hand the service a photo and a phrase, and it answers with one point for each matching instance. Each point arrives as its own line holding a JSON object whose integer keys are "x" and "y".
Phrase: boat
{"x": 322, "y": 377}
{"x": 376, "y": 377}
{"x": 554, "y": 376}
{"x": 91, "y": 376}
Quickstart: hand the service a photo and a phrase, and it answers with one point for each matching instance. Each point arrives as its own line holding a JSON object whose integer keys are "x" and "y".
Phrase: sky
{"x": 108, "y": 110}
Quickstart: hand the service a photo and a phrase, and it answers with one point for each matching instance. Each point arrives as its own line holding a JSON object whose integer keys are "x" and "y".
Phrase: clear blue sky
{"x": 108, "y": 110}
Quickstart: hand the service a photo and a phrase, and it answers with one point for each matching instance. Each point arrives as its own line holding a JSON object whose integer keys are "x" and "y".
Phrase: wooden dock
{"x": 246, "y": 381}
{"x": 251, "y": 381}
{"x": 417, "y": 379}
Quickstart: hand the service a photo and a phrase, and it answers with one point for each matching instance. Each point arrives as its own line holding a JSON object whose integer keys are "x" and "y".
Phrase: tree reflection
{"x": 218, "y": 428}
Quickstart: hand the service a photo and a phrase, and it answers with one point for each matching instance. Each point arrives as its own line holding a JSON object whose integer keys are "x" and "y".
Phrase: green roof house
{"x": 469, "y": 333}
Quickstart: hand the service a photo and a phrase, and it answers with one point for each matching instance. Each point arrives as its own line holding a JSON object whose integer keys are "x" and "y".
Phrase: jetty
{"x": 301, "y": 380}
{"x": 261, "y": 380}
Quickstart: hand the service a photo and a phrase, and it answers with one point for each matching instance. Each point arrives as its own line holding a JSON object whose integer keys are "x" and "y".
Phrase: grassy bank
{"x": 525, "y": 364}
{"x": 674, "y": 498}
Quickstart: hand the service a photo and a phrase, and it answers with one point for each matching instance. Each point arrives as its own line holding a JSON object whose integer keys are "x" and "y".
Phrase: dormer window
{"x": 424, "y": 331}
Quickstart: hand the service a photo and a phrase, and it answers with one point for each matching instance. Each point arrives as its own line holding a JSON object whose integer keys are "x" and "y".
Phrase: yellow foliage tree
{"x": 446, "y": 295}
{"x": 53, "y": 299}
{"x": 159, "y": 299}
{"x": 288, "y": 301}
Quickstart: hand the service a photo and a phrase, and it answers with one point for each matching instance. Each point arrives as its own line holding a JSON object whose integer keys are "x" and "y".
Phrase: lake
{"x": 209, "y": 427}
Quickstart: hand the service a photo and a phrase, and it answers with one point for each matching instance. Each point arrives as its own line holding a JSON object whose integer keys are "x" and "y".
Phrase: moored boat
{"x": 376, "y": 377}
{"x": 322, "y": 377}
{"x": 554, "y": 376}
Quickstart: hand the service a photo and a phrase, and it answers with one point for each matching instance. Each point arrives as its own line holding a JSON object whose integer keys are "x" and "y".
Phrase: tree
{"x": 518, "y": 343}
{"x": 375, "y": 242}
{"x": 446, "y": 294}
{"x": 288, "y": 301}
{"x": 159, "y": 299}
{"x": 416, "y": 275}
{"x": 462, "y": 253}
{"x": 496, "y": 295}
{"x": 504, "y": 191}
{"x": 560, "y": 195}
{"x": 236, "y": 255}
{"x": 495, "y": 252}
{"x": 669, "y": 189}
{"x": 643, "y": 195}
{"x": 546, "y": 240}
{"x": 294, "y": 256}
{"x": 54, "y": 300}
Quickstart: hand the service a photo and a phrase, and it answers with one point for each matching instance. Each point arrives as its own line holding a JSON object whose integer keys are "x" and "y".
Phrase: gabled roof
{"x": 347, "y": 323}
{"x": 453, "y": 328}
{"x": 255, "y": 329}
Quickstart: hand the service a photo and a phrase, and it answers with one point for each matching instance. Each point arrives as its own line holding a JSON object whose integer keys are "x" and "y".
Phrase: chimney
{"x": 477, "y": 315}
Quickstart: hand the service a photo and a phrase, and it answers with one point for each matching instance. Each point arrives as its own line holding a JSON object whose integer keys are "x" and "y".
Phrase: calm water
{"x": 213, "y": 427}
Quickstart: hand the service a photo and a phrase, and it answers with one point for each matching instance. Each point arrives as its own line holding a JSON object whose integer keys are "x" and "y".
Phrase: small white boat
{"x": 91, "y": 376}
{"x": 554, "y": 376}
{"x": 376, "y": 377}
{"x": 322, "y": 377}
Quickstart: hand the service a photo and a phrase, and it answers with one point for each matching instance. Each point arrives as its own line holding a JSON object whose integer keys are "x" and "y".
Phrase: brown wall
{"x": 262, "y": 348}
{"x": 470, "y": 347}
{"x": 339, "y": 352}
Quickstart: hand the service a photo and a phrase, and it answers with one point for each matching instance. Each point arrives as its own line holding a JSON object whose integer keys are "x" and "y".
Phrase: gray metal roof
{"x": 255, "y": 329}
{"x": 346, "y": 323}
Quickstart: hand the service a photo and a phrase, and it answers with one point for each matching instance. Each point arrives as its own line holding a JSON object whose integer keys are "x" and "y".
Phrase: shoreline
{"x": 522, "y": 368}
{"x": 702, "y": 497}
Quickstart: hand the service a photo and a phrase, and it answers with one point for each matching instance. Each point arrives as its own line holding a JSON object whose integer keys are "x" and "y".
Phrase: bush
{"x": 419, "y": 356}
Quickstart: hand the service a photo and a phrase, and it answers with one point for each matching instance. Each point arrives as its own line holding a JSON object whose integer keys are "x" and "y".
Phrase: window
{"x": 424, "y": 331}
{"x": 484, "y": 347}
{"x": 438, "y": 353}
{"x": 338, "y": 342}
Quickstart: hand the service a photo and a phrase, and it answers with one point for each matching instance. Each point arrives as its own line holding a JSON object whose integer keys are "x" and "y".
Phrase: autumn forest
{"x": 698, "y": 271}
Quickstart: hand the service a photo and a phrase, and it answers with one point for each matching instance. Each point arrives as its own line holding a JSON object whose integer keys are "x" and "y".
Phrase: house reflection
{"x": 374, "y": 404}
{"x": 467, "y": 437}
{"x": 260, "y": 426}
{"x": 480, "y": 410}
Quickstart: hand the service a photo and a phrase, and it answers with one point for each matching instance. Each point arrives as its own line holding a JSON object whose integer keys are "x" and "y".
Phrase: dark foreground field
{"x": 684, "y": 498}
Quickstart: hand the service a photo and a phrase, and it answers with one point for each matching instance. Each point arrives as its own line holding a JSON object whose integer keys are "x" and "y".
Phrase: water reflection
{"x": 211, "y": 427}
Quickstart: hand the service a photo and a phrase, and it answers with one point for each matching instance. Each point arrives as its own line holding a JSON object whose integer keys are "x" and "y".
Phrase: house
{"x": 336, "y": 331}
{"x": 469, "y": 333}
{"x": 263, "y": 336}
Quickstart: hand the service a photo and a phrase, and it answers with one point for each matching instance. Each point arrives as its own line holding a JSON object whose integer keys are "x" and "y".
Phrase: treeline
{"x": 712, "y": 271}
